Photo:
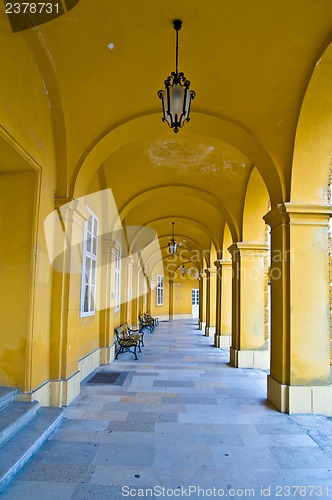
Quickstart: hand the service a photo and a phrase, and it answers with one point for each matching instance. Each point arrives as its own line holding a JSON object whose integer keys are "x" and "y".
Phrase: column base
{"x": 308, "y": 400}
{"x": 250, "y": 359}
{"x": 107, "y": 355}
{"x": 210, "y": 331}
{"x": 202, "y": 325}
{"x": 64, "y": 392}
{"x": 42, "y": 394}
{"x": 89, "y": 363}
{"x": 222, "y": 340}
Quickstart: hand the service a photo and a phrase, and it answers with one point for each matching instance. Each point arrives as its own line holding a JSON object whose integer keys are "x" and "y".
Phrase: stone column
{"x": 211, "y": 292}
{"x": 171, "y": 298}
{"x": 225, "y": 338}
{"x": 223, "y": 335}
{"x": 202, "y": 301}
{"x": 249, "y": 346}
{"x": 299, "y": 380}
{"x": 218, "y": 302}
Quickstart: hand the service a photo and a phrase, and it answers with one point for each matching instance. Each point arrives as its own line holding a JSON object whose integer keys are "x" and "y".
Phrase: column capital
{"x": 70, "y": 207}
{"x": 108, "y": 242}
{"x": 220, "y": 263}
{"x": 299, "y": 213}
{"x": 59, "y": 201}
{"x": 245, "y": 248}
{"x": 210, "y": 271}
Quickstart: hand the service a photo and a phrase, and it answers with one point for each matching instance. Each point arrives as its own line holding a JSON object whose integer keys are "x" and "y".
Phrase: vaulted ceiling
{"x": 102, "y": 63}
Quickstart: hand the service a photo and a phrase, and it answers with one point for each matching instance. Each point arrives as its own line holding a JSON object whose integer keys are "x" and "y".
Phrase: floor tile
{"x": 183, "y": 418}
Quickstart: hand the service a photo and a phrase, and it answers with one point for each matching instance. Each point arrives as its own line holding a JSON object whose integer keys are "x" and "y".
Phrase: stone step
{"x": 14, "y": 416}
{"x": 7, "y": 395}
{"x": 16, "y": 452}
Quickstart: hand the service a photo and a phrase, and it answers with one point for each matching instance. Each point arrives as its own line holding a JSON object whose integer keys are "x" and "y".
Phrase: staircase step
{"x": 14, "y": 416}
{"x": 7, "y": 395}
{"x": 15, "y": 453}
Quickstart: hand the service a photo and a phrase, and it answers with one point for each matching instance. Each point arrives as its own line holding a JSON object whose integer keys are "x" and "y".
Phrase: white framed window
{"x": 117, "y": 281}
{"x": 160, "y": 290}
{"x": 89, "y": 266}
{"x": 195, "y": 296}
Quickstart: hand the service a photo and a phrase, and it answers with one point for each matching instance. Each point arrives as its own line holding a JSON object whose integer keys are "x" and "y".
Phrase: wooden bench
{"x": 149, "y": 317}
{"x": 128, "y": 340}
{"x": 144, "y": 322}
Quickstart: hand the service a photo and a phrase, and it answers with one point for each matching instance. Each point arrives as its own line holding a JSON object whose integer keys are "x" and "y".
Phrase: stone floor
{"x": 179, "y": 422}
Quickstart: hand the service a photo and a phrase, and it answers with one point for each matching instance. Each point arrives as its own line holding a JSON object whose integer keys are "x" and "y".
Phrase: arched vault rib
{"x": 205, "y": 124}
{"x": 195, "y": 193}
{"x": 193, "y": 222}
{"x": 38, "y": 46}
{"x": 313, "y": 151}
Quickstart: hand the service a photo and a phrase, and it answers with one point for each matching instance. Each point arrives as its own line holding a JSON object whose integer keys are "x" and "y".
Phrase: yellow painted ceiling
{"x": 249, "y": 62}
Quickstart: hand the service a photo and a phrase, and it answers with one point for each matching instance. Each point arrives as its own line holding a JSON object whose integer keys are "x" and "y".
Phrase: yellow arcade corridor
{"x": 168, "y": 161}
{"x": 182, "y": 422}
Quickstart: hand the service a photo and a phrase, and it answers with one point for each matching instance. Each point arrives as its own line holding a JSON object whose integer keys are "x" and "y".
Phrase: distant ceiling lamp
{"x": 177, "y": 96}
{"x": 172, "y": 245}
{"x": 183, "y": 270}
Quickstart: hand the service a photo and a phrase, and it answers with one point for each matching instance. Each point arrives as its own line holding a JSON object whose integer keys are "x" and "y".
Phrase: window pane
{"x": 92, "y": 298}
{"x": 86, "y": 299}
{"x": 87, "y": 269}
{"x": 94, "y": 249}
{"x": 93, "y": 272}
{"x": 89, "y": 266}
{"x": 88, "y": 242}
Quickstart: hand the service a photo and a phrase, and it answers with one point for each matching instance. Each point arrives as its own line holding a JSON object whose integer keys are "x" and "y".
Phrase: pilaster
{"x": 67, "y": 266}
{"x": 107, "y": 298}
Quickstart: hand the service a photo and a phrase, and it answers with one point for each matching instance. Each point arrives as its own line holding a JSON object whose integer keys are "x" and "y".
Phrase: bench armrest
{"x": 133, "y": 330}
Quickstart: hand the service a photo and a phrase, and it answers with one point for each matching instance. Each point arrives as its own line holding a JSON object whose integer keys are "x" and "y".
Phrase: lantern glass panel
{"x": 176, "y": 100}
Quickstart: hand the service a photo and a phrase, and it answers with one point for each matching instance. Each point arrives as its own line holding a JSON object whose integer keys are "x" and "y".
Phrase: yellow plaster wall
{"x": 310, "y": 309}
{"x": 256, "y": 205}
{"x": 183, "y": 294}
{"x": 88, "y": 332}
{"x": 87, "y": 328}
{"x": 330, "y": 292}
{"x": 40, "y": 348}
{"x": 85, "y": 331}
{"x": 25, "y": 109}
{"x": 330, "y": 263}
{"x": 164, "y": 309}
{"x": 17, "y": 207}
{"x": 313, "y": 145}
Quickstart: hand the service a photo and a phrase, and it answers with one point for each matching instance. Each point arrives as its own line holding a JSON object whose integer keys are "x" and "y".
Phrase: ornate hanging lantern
{"x": 177, "y": 96}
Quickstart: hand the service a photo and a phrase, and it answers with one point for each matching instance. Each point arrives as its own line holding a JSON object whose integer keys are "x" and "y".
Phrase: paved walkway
{"x": 179, "y": 422}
